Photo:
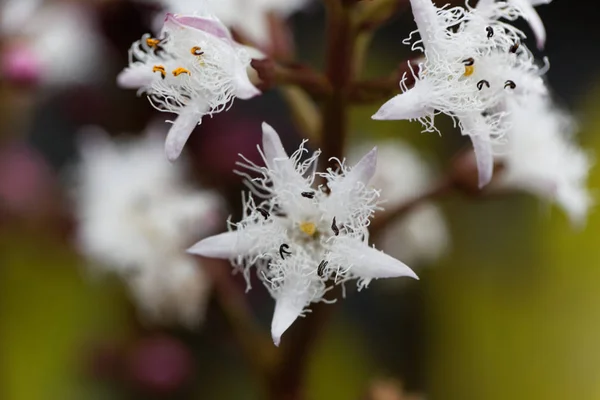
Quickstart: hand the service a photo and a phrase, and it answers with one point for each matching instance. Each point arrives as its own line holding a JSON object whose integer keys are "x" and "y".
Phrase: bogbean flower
{"x": 195, "y": 68}
{"x": 540, "y": 156}
{"x": 421, "y": 236}
{"x": 301, "y": 238}
{"x": 474, "y": 65}
{"x": 136, "y": 216}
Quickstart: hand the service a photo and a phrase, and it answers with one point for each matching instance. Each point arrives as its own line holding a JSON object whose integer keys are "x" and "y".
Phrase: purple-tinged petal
{"x": 206, "y": 25}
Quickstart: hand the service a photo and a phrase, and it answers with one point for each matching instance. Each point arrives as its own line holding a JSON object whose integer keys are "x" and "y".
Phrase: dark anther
{"x": 334, "y": 227}
{"x": 481, "y": 83}
{"x": 510, "y": 84}
{"x": 283, "y": 250}
{"x": 308, "y": 195}
{"x": 263, "y": 212}
{"x": 469, "y": 61}
{"x": 514, "y": 47}
{"x": 321, "y": 268}
{"x": 490, "y": 32}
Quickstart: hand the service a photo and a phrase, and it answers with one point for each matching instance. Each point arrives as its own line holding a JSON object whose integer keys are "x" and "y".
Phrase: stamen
{"x": 321, "y": 267}
{"x": 283, "y": 250}
{"x": 334, "y": 227}
{"x": 510, "y": 84}
{"x": 490, "y": 32}
{"x": 469, "y": 68}
{"x": 309, "y": 228}
{"x": 308, "y": 195}
{"x": 151, "y": 42}
{"x": 197, "y": 51}
{"x": 481, "y": 83}
{"x": 180, "y": 70}
{"x": 263, "y": 212}
{"x": 161, "y": 69}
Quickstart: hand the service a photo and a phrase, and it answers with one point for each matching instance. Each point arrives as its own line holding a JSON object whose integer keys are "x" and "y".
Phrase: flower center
{"x": 308, "y": 227}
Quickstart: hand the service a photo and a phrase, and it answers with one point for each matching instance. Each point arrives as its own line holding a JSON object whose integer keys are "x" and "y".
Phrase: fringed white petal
{"x": 485, "y": 158}
{"x": 369, "y": 263}
{"x": 287, "y": 310}
{"x": 425, "y": 15}
{"x": 225, "y": 245}
{"x": 180, "y": 131}
{"x": 136, "y": 76}
{"x": 412, "y": 104}
{"x": 364, "y": 170}
{"x": 533, "y": 19}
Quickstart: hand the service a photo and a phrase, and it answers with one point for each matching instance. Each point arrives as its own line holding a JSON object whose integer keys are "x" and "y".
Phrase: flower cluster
{"x": 194, "y": 68}
{"x": 301, "y": 238}
{"x": 136, "y": 216}
{"x": 475, "y": 65}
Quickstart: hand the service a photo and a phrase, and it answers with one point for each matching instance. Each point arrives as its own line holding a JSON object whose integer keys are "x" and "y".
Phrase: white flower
{"x": 250, "y": 17}
{"x": 420, "y": 236}
{"x": 194, "y": 69}
{"x": 541, "y": 157}
{"x": 136, "y": 217}
{"x": 55, "y": 44}
{"x": 474, "y": 64}
{"x": 300, "y": 238}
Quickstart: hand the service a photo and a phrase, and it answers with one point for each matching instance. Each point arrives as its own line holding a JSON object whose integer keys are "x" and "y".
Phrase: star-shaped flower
{"x": 136, "y": 214}
{"x": 474, "y": 63}
{"x": 300, "y": 238}
{"x": 195, "y": 68}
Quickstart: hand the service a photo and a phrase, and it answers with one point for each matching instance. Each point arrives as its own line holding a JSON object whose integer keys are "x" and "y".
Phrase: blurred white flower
{"x": 53, "y": 43}
{"x": 421, "y": 236}
{"x": 300, "y": 238}
{"x": 540, "y": 156}
{"x": 474, "y": 63}
{"x": 250, "y": 17}
{"x": 136, "y": 216}
{"x": 194, "y": 69}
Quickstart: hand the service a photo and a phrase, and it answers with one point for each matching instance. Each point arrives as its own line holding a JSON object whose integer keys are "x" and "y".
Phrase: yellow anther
{"x": 161, "y": 69}
{"x": 469, "y": 69}
{"x": 309, "y": 228}
{"x": 197, "y": 51}
{"x": 151, "y": 42}
{"x": 180, "y": 70}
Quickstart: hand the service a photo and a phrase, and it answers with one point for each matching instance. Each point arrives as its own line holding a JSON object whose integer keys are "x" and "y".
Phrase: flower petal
{"x": 225, "y": 245}
{"x": 182, "y": 128}
{"x": 135, "y": 77}
{"x": 411, "y": 104}
{"x": 369, "y": 263}
{"x": 533, "y": 19}
{"x": 211, "y": 26}
{"x": 272, "y": 147}
{"x": 365, "y": 169}
{"x": 425, "y": 15}
{"x": 485, "y": 158}
{"x": 244, "y": 89}
{"x": 287, "y": 310}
